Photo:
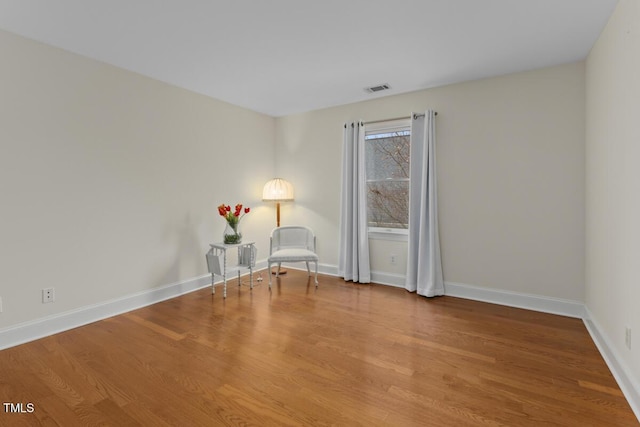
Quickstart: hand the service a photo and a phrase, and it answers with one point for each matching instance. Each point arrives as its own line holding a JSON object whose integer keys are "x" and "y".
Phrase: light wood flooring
{"x": 342, "y": 354}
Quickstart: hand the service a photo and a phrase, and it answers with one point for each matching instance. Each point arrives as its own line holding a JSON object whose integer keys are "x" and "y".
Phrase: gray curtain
{"x": 353, "y": 256}
{"x": 424, "y": 266}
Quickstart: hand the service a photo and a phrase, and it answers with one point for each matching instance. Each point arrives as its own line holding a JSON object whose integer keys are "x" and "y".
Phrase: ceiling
{"x": 282, "y": 57}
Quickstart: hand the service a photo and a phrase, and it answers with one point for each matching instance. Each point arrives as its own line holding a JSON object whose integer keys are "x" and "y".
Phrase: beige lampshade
{"x": 277, "y": 190}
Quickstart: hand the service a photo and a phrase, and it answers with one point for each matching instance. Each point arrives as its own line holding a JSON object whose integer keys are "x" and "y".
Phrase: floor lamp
{"x": 278, "y": 190}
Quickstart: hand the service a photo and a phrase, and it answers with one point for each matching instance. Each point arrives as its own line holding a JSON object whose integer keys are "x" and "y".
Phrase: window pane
{"x": 387, "y": 169}
{"x": 387, "y": 204}
{"x": 387, "y": 156}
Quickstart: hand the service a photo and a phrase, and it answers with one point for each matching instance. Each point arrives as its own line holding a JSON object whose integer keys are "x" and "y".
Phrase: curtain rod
{"x": 415, "y": 116}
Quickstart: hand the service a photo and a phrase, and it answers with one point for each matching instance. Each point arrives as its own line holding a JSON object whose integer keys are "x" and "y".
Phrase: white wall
{"x": 510, "y": 169}
{"x": 110, "y": 181}
{"x": 613, "y": 182}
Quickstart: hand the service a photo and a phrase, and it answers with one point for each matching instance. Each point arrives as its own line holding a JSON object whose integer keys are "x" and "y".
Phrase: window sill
{"x": 393, "y": 234}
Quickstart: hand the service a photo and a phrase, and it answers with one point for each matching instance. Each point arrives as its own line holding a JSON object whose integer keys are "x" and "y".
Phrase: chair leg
{"x": 269, "y": 264}
{"x": 278, "y": 271}
{"x": 316, "y": 274}
{"x": 308, "y": 271}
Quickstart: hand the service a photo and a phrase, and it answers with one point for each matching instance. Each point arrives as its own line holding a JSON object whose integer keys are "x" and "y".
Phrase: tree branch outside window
{"x": 387, "y": 166}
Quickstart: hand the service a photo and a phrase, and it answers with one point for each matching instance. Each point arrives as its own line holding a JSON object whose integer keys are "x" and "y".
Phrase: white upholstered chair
{"x": 293, "y": 243}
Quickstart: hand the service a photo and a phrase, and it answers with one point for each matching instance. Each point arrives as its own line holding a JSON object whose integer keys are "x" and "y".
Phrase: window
{"x": 387, "y": 147}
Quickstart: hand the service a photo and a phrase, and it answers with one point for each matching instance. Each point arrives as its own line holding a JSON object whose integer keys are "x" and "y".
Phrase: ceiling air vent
{"x": 378, "y": 88}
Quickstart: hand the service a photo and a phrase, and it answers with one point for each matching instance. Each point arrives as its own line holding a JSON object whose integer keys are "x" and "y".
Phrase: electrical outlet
{"x": 48, "y": 295}
{"x": 627, "y": 337}
{"x": 393, "y": 259}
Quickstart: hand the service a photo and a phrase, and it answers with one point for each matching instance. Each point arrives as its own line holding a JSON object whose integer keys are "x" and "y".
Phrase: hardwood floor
{"x": 343, "y": 354}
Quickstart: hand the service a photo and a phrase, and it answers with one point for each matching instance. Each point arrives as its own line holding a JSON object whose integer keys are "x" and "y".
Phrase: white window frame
{"x": 384, "y": 233}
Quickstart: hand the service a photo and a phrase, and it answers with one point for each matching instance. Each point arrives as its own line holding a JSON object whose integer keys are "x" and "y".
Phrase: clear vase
{"x": 232, "y": 235}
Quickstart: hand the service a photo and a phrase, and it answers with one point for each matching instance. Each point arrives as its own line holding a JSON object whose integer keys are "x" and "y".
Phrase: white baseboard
{"x": 621, "y": 372}
{"x": 389, "y": 279}
{"x": 328, "y": 269}
{"x": 544, "y": 304}
{"x": 378, "y": 277}
{"x": 49, "y": 325}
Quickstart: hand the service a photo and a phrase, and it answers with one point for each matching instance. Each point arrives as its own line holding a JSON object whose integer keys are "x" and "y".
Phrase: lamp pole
{"x": 277, "y": 190}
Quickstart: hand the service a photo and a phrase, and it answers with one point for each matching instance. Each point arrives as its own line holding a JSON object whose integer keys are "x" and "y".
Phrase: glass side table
{"x": 217, "y": 262}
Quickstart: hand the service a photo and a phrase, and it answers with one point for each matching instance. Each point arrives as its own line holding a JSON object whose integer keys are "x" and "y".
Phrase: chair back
{"x": 292, "y": 236}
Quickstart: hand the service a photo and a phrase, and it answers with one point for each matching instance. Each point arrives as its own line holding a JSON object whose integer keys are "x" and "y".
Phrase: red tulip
{"x": 225, "y": 211}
